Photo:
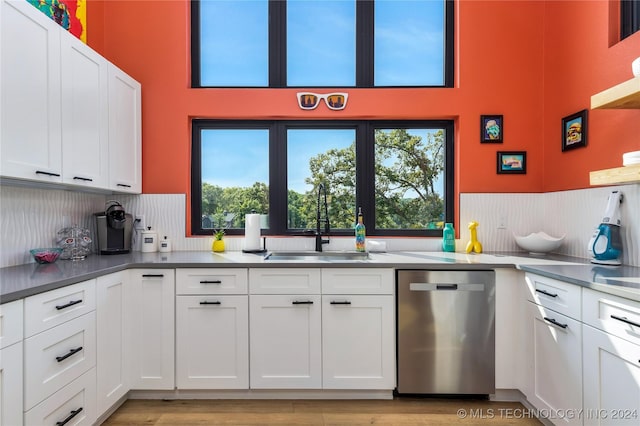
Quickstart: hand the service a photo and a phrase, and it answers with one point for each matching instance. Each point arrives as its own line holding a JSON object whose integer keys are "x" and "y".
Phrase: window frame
{"x": 364, "y": 47}
{"x": 629, "y": 17}
{"x": 278, "y": 174}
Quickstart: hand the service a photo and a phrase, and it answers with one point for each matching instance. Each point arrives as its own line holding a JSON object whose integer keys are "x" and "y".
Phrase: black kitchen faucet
{"x": 327, "y": 227}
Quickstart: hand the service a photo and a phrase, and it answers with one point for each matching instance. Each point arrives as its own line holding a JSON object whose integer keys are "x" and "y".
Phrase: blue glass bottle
{"x": 360, "y": 232}
{"x": 448, "y": 238}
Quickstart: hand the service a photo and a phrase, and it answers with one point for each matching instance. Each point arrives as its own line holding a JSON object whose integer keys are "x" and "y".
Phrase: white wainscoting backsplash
{"x": 31, "y": 218}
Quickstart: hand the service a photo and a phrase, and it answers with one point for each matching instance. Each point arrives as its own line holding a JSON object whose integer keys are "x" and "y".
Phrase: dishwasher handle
{"x": 445, "y": 287}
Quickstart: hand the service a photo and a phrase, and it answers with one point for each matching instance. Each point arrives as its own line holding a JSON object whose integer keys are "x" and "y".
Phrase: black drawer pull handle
{"x": 546, "y": 293}
{"x": 446, "y": 286}
{"x": 71, "y": 352}
{"x": 554, "y": 322}
{"x": 217, "y": 302}
{"x": 152, "y": 275}
{"x": 40, "y": 172}
{"x": 82, "y": 178}
{"x": 302, "y": 302}
{"x": 72, "y": 415}
{"x": 73, "y": 302}
{"x": 334, "y": 302}
{"x": 625, "y": 320}
{"x": 122, "y": 184}
{"x": 211, "y": 282}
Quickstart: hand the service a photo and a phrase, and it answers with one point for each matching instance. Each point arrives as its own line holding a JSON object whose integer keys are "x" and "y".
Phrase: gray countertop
{"x": 17, "y": 282}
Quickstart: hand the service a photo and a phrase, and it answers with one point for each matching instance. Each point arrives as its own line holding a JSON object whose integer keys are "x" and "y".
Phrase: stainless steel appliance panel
{"x": 446, "y": 337}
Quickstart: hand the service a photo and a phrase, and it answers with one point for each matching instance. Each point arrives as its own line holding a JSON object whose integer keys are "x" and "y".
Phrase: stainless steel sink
{"x": 314, "y": 256}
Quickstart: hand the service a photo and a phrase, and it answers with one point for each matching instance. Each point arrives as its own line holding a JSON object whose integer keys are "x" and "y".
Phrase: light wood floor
{"x": 403, "y": 411}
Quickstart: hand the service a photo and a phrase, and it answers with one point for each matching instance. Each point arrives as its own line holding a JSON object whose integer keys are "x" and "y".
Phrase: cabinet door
{"x": 112, "y": 379}
{"x": 11, "y": 385}
{"x": 151, "y": 325}
{"x": 212, "y": 342}
{"x": 30, "y": 129}
{"x": 557, "y": 363}
{"x": 125, "y": 132}
{"x": 285, "y": 342}
{"x": 85, "y": 115}
{"x": 358, "y": 342}
{"x": 611, "y": 379}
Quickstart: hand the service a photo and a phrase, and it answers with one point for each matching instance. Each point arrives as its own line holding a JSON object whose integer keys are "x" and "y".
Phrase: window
{"x": 399, "y": 172}
{"x": 322, "y": 43}
{"x": 629, "y": 17}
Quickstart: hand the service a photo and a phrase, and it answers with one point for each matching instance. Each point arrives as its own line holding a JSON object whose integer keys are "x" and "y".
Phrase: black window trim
{"x": 629, "y": 17}
{"x": 364, "y": 47}
{"x": 365, "y": 181}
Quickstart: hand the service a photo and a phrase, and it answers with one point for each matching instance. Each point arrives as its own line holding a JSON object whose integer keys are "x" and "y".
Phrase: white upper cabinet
{"x": 30, "y": 115}
{"x": 85, "y": 115}
{"x": 125, "y": 132}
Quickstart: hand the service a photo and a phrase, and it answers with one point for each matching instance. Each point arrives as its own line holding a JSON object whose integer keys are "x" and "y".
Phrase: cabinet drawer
{"x": 75, "y": 402}
{"x": 560, "y": 296}
{"x": 11, "y": 323}
{"x": 211, "y": 281}
{"x": 357, "y": 281}
{"x": 613, "y": 314}
{"x": 58, "y": 356}
{"x": 55, "y": 307}
{"x": 284, "y": 281}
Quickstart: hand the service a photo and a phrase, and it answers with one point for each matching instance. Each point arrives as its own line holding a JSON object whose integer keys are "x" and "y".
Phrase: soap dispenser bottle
{"x": 360, "y": 232}
{"x": 448, "y": 238}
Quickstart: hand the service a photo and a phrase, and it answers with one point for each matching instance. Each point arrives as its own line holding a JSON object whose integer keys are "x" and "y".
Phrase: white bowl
{"x": 538, "y": 242}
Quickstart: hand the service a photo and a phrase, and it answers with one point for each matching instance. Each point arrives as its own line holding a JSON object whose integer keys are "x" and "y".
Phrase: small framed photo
{"x": 574, "y": 130}
{"x": 512, "y": 162}
{"x": 491, "y": 128}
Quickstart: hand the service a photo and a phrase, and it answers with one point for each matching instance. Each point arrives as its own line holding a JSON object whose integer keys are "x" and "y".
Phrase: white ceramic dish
{"x": 538, "y": 242}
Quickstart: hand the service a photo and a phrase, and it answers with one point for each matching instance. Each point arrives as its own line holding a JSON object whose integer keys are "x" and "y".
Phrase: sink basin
{"x": 313, "y": 256}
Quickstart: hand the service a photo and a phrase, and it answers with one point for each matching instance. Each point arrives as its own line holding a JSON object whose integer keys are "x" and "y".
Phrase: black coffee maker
{"x": 113, "y": 229}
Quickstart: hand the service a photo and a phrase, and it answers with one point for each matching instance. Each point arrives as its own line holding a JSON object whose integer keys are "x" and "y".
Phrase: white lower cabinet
{"x": 557, "y": 364}
{"x": 358, "y": 342}
{"x": 151, "y": 328}
{"x": 285, "y": 335}
{"x": 212, "y": 342}
{"x": 74, "y": 404}
{"x": 111, "y": 327}
{"x": 11, "y": 385}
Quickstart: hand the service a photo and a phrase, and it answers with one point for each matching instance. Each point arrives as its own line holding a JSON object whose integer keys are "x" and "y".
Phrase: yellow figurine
{"x": 474, "y": 244}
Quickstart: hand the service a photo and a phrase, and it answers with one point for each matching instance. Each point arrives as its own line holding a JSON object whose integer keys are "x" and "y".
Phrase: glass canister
{"x": 75, "y": 242}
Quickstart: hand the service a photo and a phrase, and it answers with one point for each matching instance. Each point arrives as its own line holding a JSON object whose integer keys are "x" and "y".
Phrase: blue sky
{"x": 321, "y": 42}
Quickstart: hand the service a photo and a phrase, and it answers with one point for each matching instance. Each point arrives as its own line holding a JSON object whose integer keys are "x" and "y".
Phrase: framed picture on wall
{"x": 512, "y": 162}
{"x": 491, "y": 128}
{"x": 574, "y": 130}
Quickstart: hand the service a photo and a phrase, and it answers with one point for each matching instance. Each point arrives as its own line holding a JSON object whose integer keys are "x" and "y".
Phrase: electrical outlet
{"x": 502, "y": 222}
{"x": 139, "y": 223}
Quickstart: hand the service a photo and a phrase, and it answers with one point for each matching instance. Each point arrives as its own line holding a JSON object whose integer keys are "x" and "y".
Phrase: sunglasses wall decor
{"x": 334, "y": 101}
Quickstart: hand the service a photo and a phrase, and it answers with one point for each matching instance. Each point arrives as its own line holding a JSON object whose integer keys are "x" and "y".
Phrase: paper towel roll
{"x": 252, "y": 231}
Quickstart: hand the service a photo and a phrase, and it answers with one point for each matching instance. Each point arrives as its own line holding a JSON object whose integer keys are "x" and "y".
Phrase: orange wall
{"x": 516, "y": 58}
{"x": 579, "y": 62}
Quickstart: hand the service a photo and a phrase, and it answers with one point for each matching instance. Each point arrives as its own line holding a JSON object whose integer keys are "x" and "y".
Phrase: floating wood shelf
{"x": 623, "y": 96}
{"x": 628, "y": 174}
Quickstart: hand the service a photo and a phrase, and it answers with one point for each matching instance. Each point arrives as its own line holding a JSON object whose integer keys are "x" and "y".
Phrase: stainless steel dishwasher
{"x": 446, "y": 337}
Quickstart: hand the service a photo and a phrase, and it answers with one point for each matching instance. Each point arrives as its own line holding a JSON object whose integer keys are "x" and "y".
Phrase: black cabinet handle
{"x": 152, "y": 275}
{"x": 335, "y": 302}
{"x": 625, "y": 320}
{"x": 211, "y": 282}
{"x": 446, "y": 286}
{"x": 40, "y": 172}
{"x": 546, "y": 293}
{"x": 217, "y": 302}
{"x": 302, "y": 302}
{"x": 554, "y": 322}
{"x": 82, "y": 178}
{"x": 122, "y": 184}
{"x": 71, "y": 352}
{"x": 73, "y": 302}
{"x": 72, "y": 415}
